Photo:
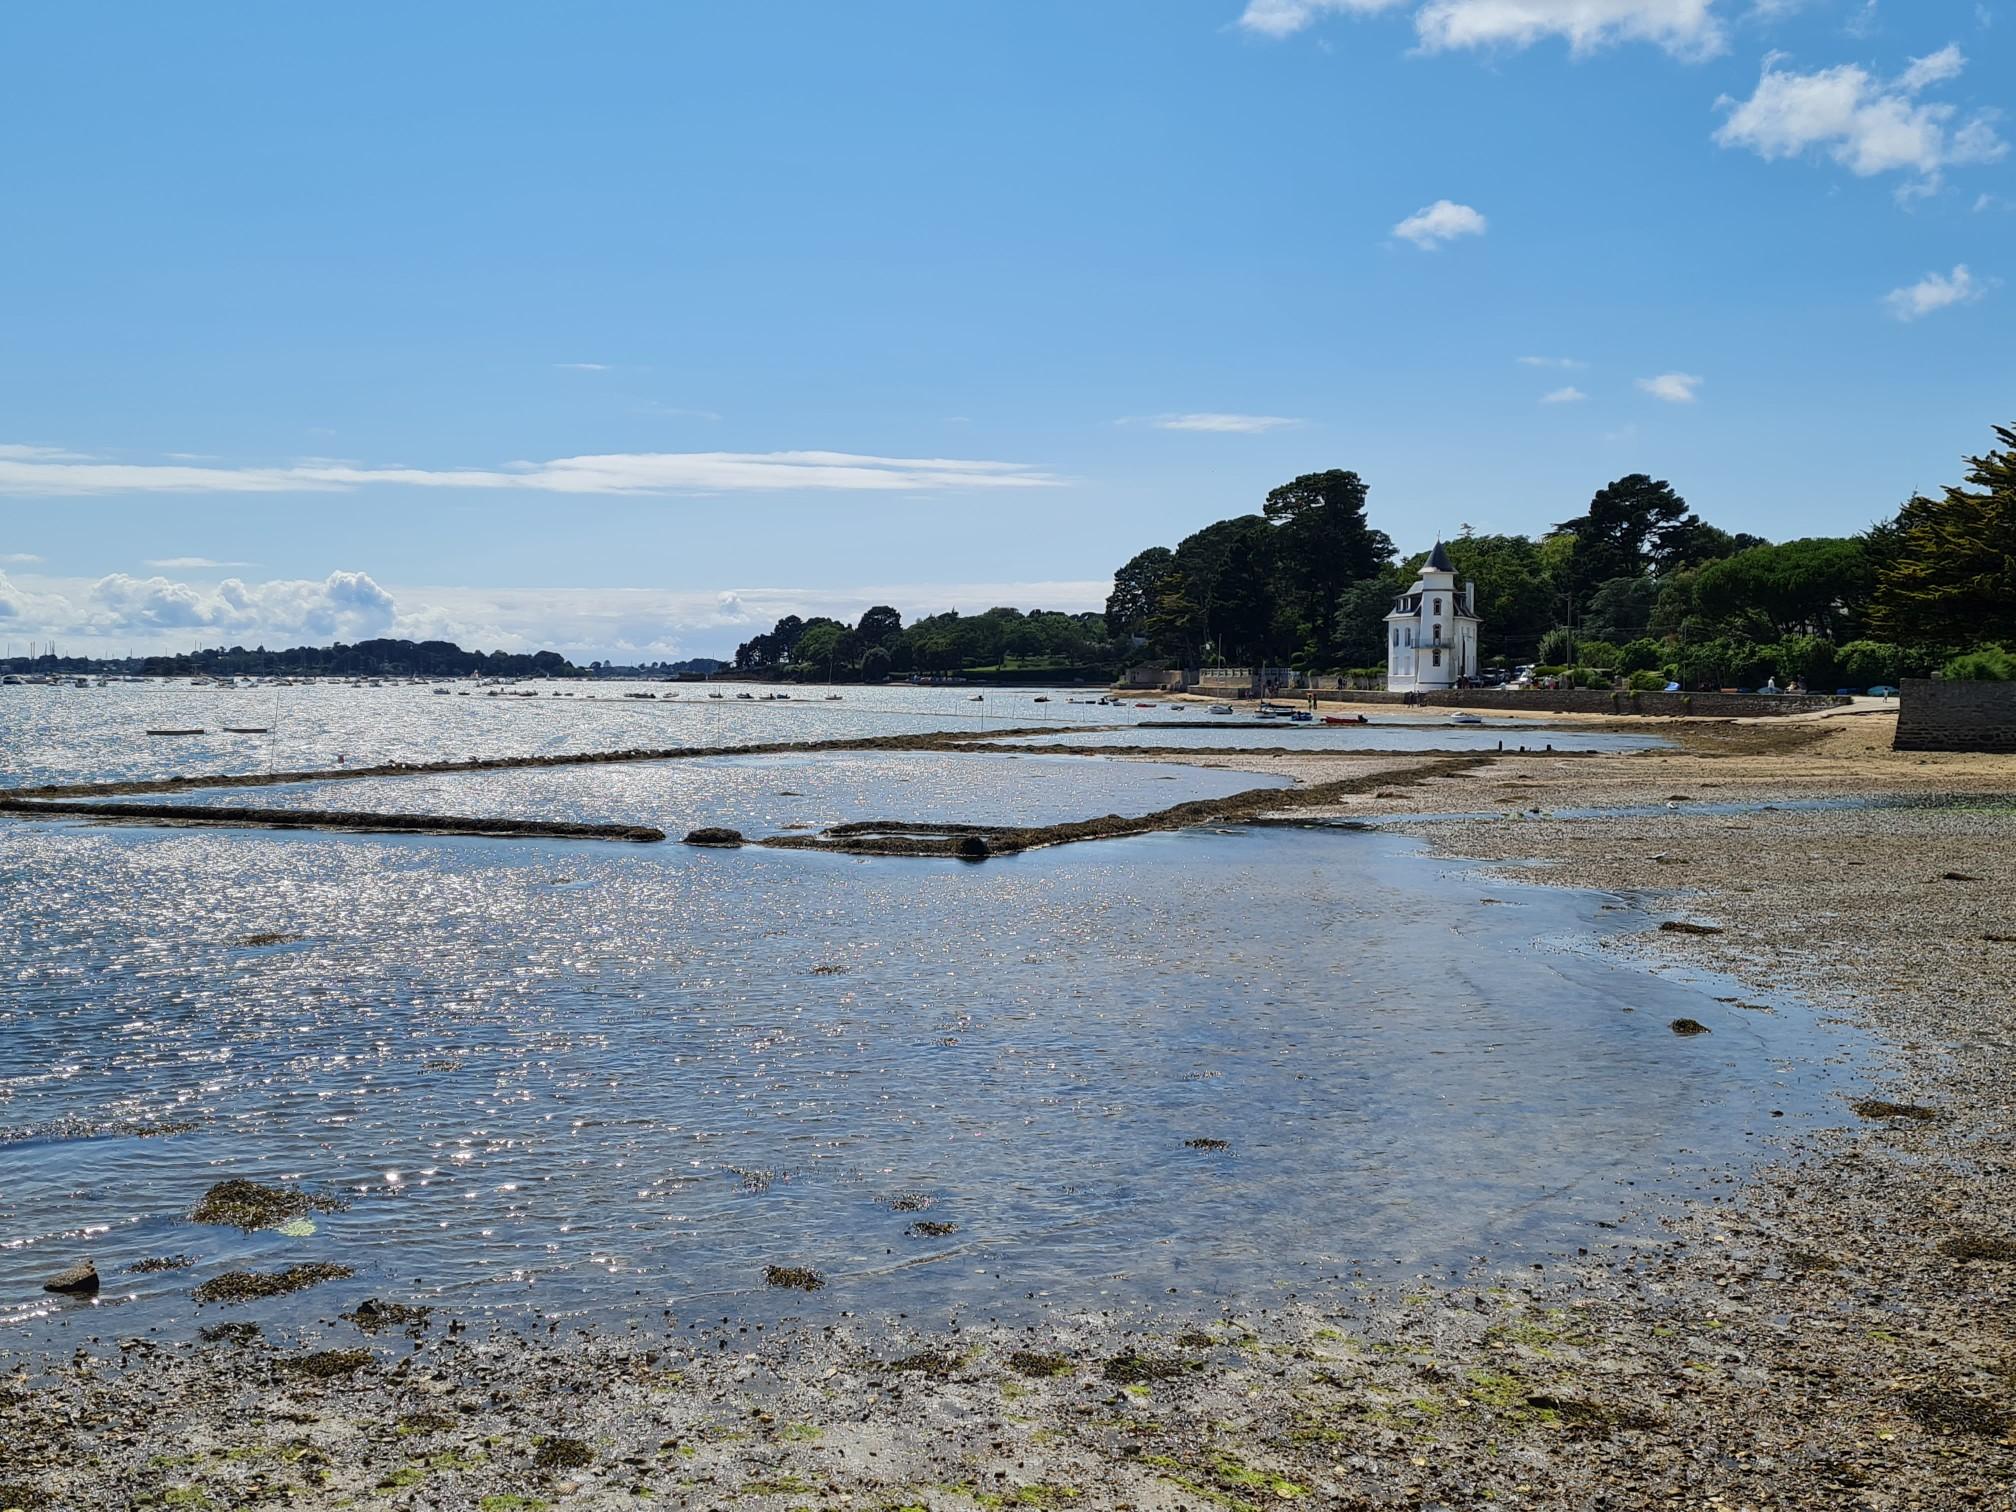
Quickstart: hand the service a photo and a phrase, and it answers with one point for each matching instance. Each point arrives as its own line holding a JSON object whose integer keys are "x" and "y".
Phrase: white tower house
{"x": 1431, "y": 635}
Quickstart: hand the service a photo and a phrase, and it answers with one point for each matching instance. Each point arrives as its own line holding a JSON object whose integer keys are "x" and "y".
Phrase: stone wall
{"x": 1592, "y": 701}
{"x": 1936, "y": 715}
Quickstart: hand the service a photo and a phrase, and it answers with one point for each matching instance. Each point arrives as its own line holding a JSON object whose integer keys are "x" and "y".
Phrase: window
{"x": 1438, "y": 606}
{"x": 1438, "y": 656}
{"x": 1396, "y": 635}
{"x": 1410, "y": 635}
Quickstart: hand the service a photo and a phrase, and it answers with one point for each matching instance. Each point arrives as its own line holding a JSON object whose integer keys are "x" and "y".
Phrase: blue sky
{"x": 623, "y": 328}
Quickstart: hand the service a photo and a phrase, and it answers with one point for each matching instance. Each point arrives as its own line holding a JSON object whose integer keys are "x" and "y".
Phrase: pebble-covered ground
{"x": 1838, "y": 1333}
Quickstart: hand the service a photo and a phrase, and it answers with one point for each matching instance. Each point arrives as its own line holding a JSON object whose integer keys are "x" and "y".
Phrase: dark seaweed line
{"x": 895, "y": 837}
{"x": 183, "y": 814}
{"x": 952, "y": 740}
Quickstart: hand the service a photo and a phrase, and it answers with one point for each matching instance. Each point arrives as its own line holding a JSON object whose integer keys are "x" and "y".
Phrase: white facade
{"x": 1431, "y": 635}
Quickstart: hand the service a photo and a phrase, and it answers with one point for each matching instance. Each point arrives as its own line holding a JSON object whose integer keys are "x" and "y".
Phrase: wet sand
{"x": 1838, "y": 1331}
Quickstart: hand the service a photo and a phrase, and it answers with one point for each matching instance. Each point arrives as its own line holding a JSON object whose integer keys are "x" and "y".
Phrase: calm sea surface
{"x": 589, "y": 1080}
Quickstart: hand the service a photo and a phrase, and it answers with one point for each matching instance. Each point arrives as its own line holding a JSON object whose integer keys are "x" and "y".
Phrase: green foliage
{"x": 1644, "y": 655}
{"x": 1946, "y": 567}
{"x": 1989, "y": 664}
{"x": 1137, "y": 592}
{"x": 1324, "y": 547}
{"x": 1870, "y": 664}
{"x": 1556, "y": 648}
{"x": 1620, "y": 609}
{"x": 875, "y": 665}
{"x": 1597, "y": 653}
{"x": 1819, "y": 586}
{"x": 1624, "y": 532}
{"x": 1645, "y": 681}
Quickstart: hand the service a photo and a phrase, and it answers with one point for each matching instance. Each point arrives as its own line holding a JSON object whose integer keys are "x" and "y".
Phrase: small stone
{"x": 81, "y": 1280}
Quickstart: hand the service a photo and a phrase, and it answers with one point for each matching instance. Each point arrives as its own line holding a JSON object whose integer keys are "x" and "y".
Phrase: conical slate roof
{"x": 1438, "y": 559}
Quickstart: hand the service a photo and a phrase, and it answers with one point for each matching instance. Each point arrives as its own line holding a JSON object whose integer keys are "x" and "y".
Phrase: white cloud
{"x": 1243, "y": 425}
{"x": 616, "y": 473}
{"x": 1445, "y": 220}
{"x": 15, "y": 452}
{"x": 1674, "y": 388}
{"x": 1686, "y": 28}
{"x": 583, "y": 367}
{"x": 1552, "y": 362}
{"x": 1936, "y": 291}
{"x": 20, "y": 557}
{"x": 193, "y": 561}
{"x": 1282, "y": 18}
{"x": 1866, "y": 124}
{"x": 110, "y": 615}
{"x": 1568, "y": 395}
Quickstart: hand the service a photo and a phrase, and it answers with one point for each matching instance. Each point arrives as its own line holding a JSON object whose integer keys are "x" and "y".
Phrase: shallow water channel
{"x": 589, "y": 1080}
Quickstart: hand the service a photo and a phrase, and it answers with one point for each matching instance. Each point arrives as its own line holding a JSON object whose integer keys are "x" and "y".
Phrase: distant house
{"x": 1431, "y": 635}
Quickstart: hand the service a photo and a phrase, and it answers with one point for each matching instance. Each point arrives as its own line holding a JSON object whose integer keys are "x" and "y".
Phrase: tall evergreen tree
{"x": 1326, "y": 546}
{"x": 1946, "y": 567}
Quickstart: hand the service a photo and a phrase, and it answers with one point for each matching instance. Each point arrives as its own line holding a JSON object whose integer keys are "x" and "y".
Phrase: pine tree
{"x": 1946, "y": 572}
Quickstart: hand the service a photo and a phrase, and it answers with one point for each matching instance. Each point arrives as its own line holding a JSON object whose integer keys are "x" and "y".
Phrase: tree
{"x": 1946, "y": 569}
{"x": 875, "y": 665}
{"x": 879, "y": 626}
{"x": 1620, "y": 609}
{"x": 1623, "y": 532}
{"x": 1818, "y": 586}
{"x": 1137, "y": 587}
{"x": 1325, "y": 545}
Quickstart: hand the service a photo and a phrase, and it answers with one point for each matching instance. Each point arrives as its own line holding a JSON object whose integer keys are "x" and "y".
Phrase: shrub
{"x": 1641, "y": 656}
{"x": 1555, "y": 646}
{"x": 1866, "y": 663}
{"x": 1646, "y": 682}
{"x": 1989, "y": 664}
{"x": 1597, "y": 653}
{"x": 1587, "y": 677}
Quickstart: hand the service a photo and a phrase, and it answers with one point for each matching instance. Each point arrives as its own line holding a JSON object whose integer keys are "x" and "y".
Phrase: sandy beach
{"x": 1834, "y": 1332}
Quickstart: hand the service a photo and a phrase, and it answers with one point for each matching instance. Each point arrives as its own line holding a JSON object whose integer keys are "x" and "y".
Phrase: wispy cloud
{"x": 20, "y": 558}
{"x": 1868, "y": 125}
{"x": 121, "y": 612}
{"x": 1686, "y": 28}
{"x": 17, "y": 452}
{"x": 1443, "y": 221}
{"x": 1240, "y": 425}
{"x": 1937, "y": 291}
{"x": 1552, "y": 362}
{"x": 193, "y": 561}
{"x": 582, "y": 367}
{"x": 614, "y": 473}
{"x": 1568, "y": 395}
{"x": 1674, "y": 388}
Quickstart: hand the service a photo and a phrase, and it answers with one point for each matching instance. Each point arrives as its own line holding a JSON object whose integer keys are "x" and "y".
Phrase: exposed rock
{"x": 713, "y": 834}
{"x": 1683, "y": 926}
{"x": 81, "y": 1280}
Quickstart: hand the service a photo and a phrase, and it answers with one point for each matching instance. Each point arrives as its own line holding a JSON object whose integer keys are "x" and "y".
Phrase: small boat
{"x": 174, "y": 732}
{"x": 1340, "y": 719}
{"x": 746, "y": 697}
{"x": 247, "y": 730}
{"x": 443, "y": 692}
{"x": 1041, "y": 698}
{"x": 834, "y": 698}
{"x": 1144, "y": 706}
{"x": 1222, "y": 709}
{"x": 717, "y": 695}
{"x": 977, "y": 698}
{"x": 1302, "y": 716}
{"x": 1464, "y": 719}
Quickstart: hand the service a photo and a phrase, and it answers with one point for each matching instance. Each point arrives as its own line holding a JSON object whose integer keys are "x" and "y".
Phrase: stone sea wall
{"x": 1936, "y": 715}
{"x": 1593, "y": 701}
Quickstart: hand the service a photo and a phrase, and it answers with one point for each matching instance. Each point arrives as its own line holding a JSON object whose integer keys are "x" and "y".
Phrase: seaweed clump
{"x": 931, "y": 1362}
{"x": 155, "y": 1263}
{"x": 1979, "y": 1247}
{"x": 931, "y": 1228}
{"x": 1875, "y": 1107}
{"x": 247, "y": 1205}
{"x": 793, "y": 1277}
{"x": 563, "y": 1454}
{"x": 374, "y": 1316}
{"x": 251, "y": 1286}
{"x": 1138, "y": 1370}
{"x": 1955, "y": 1412}
{"x": 1030, "y": 1362}
{"x": 1207, "y": 1144}
{"x": 327, "y": 1364}
{"x": 1687, "y": 1026}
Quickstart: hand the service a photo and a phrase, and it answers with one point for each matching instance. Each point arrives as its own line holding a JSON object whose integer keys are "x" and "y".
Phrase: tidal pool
{"x": 580, "y": 1080}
